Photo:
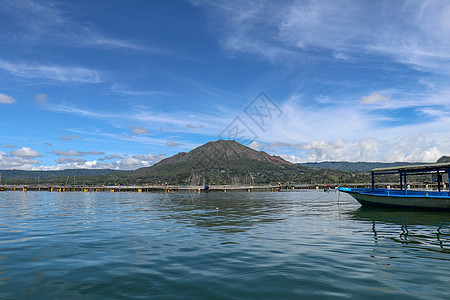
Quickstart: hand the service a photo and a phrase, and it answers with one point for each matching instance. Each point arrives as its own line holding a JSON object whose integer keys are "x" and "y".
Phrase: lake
{"x": 240, "y": 245}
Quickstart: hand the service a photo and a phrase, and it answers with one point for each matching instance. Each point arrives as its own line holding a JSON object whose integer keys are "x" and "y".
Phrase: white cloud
{"x": 109, "y": 157}
{"x": 414, "y": 148}
{"x": 19, "y": 163}
{"x": 92, "y": 152}
{"x": 77, "y": 153}
{"x": 64, "y": 160}
{"x": 67, "y": 153}
{"x": 192, "y": 126}
{"x": 71, "y": 137}
{"x": 374, "y": 98}
{"x": 411, "y": 148}
{"x": 172, "y": 143}
{"x": 292, "y": 158}
{"x": 124, "y": 163}
{"x": 25, "y": 152}
{"x": 138, "y": 161}
{"x": 150, "y": 157}
{"x": 131, "y": 163}
{"x": 257, "y": 145}
{"x": 282, "y": 144}
{"x": 41, "y": 99}
{"x": 51, "y": 72}
{"x": 5, "y": 99}
{"x": 139, "y": 130}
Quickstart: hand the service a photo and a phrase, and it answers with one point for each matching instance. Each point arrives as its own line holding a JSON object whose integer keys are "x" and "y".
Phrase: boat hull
{"x": 388, "y": 198}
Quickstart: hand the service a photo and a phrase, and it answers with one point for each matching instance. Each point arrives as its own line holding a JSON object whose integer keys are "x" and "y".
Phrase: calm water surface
{"x": 217, "y": 246}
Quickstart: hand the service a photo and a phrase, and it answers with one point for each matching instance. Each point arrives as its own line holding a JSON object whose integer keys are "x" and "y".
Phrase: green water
{"x": 287, "y": 245}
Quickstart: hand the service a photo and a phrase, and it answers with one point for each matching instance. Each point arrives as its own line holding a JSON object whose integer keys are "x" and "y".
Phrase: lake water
{"x": 268, "y": 245}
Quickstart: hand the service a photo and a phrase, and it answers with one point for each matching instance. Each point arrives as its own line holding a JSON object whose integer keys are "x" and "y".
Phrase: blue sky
{"x": 124, "y": 84}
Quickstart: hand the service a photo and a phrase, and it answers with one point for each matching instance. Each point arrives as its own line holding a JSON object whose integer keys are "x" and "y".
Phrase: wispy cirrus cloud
{"x": 41, "y": 22}
{"x": 51, "y": 72}
{"x": 176, "y": 120}
{"x": 8, "y": 145}
{"x": 119, "y": 89}
{"x": 414, "y": 33}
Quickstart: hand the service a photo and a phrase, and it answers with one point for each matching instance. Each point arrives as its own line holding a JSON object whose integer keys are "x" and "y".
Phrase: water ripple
{"x": 217, "y": 246}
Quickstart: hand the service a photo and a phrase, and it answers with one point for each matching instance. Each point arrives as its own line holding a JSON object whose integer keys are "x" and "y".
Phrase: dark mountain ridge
{"x": 355, "y": 166}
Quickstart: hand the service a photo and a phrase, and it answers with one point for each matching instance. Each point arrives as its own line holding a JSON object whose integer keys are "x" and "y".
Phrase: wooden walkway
{"x": 214, "y": 188}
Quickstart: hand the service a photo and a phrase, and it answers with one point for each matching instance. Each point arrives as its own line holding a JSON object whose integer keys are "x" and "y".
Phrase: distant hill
{"x": 227, "y": 162}
{"x": 355, "y": 166}
{"x": 444, "y": 159}
{"x": 20, "y": 176}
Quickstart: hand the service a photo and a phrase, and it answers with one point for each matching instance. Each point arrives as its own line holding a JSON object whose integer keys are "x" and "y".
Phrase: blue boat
{"x": 404, "y": 198}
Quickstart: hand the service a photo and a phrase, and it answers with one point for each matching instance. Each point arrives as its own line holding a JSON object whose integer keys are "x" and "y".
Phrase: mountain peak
{"x": 223, "y": 152}
{"x": 217, "y": 161}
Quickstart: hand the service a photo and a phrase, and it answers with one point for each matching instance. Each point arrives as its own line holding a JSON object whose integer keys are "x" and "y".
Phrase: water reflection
{"x": 217, "y": 246}
{"x": 424, "y": 229}
{"x": 227, "y": 212}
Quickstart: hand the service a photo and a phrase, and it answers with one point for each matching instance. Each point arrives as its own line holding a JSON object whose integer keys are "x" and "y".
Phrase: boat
{"x": 2, "y": 189}
{"x": 405, "y": 197}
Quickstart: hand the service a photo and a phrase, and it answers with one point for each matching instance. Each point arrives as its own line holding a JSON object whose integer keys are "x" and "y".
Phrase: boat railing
{"x": 412, "y": 193}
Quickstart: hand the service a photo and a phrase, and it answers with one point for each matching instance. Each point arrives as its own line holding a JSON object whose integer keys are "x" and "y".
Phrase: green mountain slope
{"x": 444, "y": 159}
{"x": 228, "y": 162}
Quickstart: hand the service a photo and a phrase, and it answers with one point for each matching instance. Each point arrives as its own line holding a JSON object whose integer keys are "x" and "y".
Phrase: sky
{"x": 124, "y": 84}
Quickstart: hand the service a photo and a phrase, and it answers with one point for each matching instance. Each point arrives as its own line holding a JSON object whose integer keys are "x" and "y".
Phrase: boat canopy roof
{"x": 414, "y": 168}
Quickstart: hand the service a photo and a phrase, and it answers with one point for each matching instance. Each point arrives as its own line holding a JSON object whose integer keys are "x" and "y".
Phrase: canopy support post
{"x": 439, "y": 180}
{"x": 405, "y": 184}
{"x": 373, "y": 182}
{"x": 401, "y": 182}
{"x": 448, "y": 178}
